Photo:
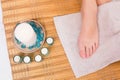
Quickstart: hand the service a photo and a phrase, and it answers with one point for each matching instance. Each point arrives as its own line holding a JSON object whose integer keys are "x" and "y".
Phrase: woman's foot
{"x": 88, "y": 39}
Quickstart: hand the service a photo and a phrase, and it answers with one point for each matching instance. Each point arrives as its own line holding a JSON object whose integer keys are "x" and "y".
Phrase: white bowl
{"x": 28, "y": 36}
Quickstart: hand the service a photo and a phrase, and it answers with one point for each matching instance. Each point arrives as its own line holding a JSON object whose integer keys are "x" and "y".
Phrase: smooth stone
{"x": 32, "y": 23}
{"x": 23, "y": 46}
{"x": 31, "y": 47}
{"x": 42, "y": 35}
{"x": 38, "y": 45}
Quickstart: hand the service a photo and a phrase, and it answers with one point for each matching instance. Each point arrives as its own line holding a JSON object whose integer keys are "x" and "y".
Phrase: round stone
{"x": 23, "y": 46}
{"x": 38, "y": 45}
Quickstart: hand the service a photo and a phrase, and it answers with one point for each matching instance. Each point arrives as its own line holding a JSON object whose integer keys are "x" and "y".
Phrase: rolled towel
{"x": 25, "y": 34}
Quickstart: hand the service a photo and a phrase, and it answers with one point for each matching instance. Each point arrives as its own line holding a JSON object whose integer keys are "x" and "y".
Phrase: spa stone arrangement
{"x": 29, "y": 37}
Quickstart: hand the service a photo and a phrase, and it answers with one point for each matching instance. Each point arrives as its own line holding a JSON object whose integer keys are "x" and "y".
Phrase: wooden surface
{"x": 55, "y": 66}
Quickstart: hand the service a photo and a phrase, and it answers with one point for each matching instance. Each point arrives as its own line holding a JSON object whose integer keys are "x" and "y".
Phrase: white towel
{"x": 5, "y": 68}
{"x": 68, "y": 28}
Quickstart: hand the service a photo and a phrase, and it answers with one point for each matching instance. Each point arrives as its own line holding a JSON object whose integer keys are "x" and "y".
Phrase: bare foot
{"x": 88, "y": 39}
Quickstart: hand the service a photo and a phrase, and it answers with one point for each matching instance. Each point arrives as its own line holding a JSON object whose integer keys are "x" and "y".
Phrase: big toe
{"x": 82, "y": 52}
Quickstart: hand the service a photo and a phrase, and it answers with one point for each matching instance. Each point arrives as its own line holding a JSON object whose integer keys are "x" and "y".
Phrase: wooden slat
{"x": 56, "y": 65}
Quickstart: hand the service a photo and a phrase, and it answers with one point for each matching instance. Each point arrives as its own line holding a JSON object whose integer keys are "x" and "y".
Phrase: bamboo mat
{"x": 55, "y": 66}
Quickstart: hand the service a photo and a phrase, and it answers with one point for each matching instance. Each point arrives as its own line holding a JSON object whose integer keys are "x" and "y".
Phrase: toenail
{"x": 83, "y": 56}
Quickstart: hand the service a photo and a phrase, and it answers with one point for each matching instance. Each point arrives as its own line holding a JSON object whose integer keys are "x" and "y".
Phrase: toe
{"x": 82, "y": 51}
{"x": 93, "y": 48}
{"x": 91, "y": 51}
{"x": 96, "y": 45}
{"x": 87, "y": 52}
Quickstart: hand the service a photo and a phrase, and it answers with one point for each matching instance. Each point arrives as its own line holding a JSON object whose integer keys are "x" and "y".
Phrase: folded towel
{"x": 68, "y": 28}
